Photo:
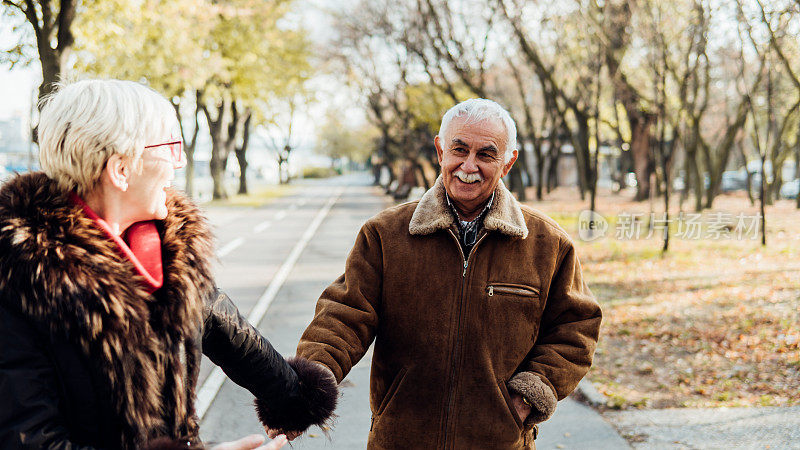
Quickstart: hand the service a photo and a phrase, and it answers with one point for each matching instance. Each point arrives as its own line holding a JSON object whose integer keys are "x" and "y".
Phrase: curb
{"x": 592, "y": 396}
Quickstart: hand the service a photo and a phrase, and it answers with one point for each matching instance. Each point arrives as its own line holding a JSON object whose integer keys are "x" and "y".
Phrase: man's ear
{"x": 117, "y": 172}
{"x": 438, "y": 144}
{"x": 510, "y": 162}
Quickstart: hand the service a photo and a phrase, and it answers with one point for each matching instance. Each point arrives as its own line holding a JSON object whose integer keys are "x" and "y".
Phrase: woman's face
{"x": 146, "y": 194}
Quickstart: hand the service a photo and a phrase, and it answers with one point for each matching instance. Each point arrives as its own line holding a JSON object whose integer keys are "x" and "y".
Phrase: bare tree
{"x": 52, "y": 27}
{"x": 777, "y": 37}
{"x": 282, "y": 139}
{"x": 240, "y": 148}
{"x": 225, "y": 122}
{"x": 529, "y": 131}
{"x": 190, "y": 145}
{"x": 571, "y": 108}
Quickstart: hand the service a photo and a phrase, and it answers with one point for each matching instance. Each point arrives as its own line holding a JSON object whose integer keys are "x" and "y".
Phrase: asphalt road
{"x": 282, "y": 241}
{"x": 274, "y": 263}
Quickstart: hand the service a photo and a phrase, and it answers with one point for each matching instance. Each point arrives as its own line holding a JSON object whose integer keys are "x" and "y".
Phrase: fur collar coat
{"x": 61, "y": 276}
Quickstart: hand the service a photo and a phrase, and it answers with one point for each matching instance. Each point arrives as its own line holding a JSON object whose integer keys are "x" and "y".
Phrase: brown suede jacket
{"x": 454, "y": 334}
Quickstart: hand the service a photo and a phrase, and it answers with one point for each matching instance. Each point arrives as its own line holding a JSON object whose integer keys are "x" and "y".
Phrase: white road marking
{"x": 293, "y": 206}
{"x": 231, "y": 246}
{"x": 208, "y": 391}
{"x": 280, "y": 215}
{"x": 302, "y": 202}
{"x": 262, "y": 226}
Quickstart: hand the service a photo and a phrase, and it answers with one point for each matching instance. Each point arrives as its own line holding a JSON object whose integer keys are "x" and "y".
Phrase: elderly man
{"x": 477, "y": 306}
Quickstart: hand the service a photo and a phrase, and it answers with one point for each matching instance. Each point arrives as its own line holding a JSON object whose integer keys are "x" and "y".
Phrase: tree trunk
{"x": 240, "y": 157}
{"x": 641, "y": 151}
{"x": 516, "y": 184}
{"x": 797, "y": 166}
{"x": 580, "y": 143}
{"x": 665, "y": 157}
{"x": 761, "y": 202}
{"x": 218, "y": 129}
{"x": 54, "y": 40}
{"x": 217, "y": 166}
{"x": 693, "y": 178}
{"x": 699, "y": 185}
{"x": 52, "y": 29}
{"x": 522, "y": 164}
{"x": 241, "y": 154}
{"x": 189, "y": 146}
{"x": 748, "y": 178}
{"x": 537, "y": 149}
{"x": 283, "y": 171}
{"x": 51, "y": 70}
{"x": 552, "y": 170}
{"x": 189, "y": 186}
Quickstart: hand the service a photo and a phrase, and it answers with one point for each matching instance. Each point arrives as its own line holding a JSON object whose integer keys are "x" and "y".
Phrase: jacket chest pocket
{"x": 509, "y": 317}
{"x": 512, "y": 290}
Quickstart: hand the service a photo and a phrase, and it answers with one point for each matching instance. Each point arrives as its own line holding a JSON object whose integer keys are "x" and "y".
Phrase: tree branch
{"x": 30, "y": 13}
{"x": 774, "y": 43}
{"x": 66, "y": 15}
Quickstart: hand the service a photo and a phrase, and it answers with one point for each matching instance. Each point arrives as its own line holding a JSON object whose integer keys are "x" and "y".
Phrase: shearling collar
{"x": 62, "y": 272}
{"x": 431, "y": 214}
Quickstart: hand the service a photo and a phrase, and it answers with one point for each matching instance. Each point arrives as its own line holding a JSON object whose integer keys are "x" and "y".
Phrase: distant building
{"x": 16, "y": 152}
{"x": 11, "y": 137}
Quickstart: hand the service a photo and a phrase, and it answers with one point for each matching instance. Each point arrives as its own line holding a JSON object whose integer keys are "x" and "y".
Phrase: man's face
{"x": 472, "y": 157}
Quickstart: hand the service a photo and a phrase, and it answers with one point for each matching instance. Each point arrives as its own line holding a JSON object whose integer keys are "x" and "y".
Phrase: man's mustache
{"x": 468, "y": 177}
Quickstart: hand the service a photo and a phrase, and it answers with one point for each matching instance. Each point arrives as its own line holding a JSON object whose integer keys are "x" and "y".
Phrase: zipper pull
{"x": 464, "y": 273}
{"x": 491, "y": 291}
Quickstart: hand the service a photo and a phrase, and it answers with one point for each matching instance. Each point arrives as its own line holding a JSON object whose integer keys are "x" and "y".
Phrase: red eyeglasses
{"x": 176, "y": 150}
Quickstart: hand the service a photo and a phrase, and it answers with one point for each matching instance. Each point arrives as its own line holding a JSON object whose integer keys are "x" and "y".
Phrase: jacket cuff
{"x": 537, "y": 392}
{"x": 312, "y": 403}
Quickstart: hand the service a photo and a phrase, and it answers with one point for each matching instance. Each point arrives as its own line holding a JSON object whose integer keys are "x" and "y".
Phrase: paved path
{"x": 255, "y": 245}
{"x": 720, "y": 428}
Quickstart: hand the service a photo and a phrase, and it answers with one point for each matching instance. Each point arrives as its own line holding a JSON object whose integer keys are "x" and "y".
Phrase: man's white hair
{"x": 82, "y": 124}
{"x": 477, "y": 110}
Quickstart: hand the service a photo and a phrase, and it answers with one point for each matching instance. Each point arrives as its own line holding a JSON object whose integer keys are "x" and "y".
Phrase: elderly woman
{"x": 106, "y": 293}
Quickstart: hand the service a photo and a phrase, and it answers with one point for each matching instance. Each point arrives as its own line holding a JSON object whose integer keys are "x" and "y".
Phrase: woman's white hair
{"x": 82, "y": 124}
{"x": 477, "y": 110}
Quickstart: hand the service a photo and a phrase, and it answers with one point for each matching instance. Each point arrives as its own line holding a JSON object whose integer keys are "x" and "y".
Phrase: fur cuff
{"x": 541, "y": 396}
{"x": 313, "y": 404}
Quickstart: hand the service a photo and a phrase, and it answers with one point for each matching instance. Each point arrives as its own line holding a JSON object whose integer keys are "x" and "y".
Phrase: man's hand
{"x": 290, "y": 435}
{"x": 522, "y": 408}
{"x": 253, "y": 442}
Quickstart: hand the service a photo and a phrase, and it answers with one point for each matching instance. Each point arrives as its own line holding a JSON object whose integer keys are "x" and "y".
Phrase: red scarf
{"x": 140, "y": 243}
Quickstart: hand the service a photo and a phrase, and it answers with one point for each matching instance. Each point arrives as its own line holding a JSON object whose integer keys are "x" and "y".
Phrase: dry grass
{"x": 714, "y": 322}
{"x": 258, "y": 196}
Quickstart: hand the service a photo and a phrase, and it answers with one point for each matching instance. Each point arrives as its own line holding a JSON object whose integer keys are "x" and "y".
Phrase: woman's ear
{"x": 117, "y": 172}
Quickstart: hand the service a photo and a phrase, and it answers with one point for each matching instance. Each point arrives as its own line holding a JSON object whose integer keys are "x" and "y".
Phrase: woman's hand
{"x": 253, "y": 442}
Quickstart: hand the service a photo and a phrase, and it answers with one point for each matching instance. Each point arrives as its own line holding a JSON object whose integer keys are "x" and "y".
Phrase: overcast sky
{"x": 16, "y": 86}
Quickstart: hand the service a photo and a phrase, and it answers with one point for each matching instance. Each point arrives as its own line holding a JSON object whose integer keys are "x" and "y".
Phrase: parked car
{"x": 733, "y": 180}
{"x": 679, "y": 182}
{"x": 791, "y": 189}
{"x": 678, "y": 185}
{"x": 630, "y": 179}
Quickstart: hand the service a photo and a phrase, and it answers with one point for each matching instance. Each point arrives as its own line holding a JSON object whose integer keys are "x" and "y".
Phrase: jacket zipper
{"x": 514, "y": 290}
{"x": 456, "y": 353}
